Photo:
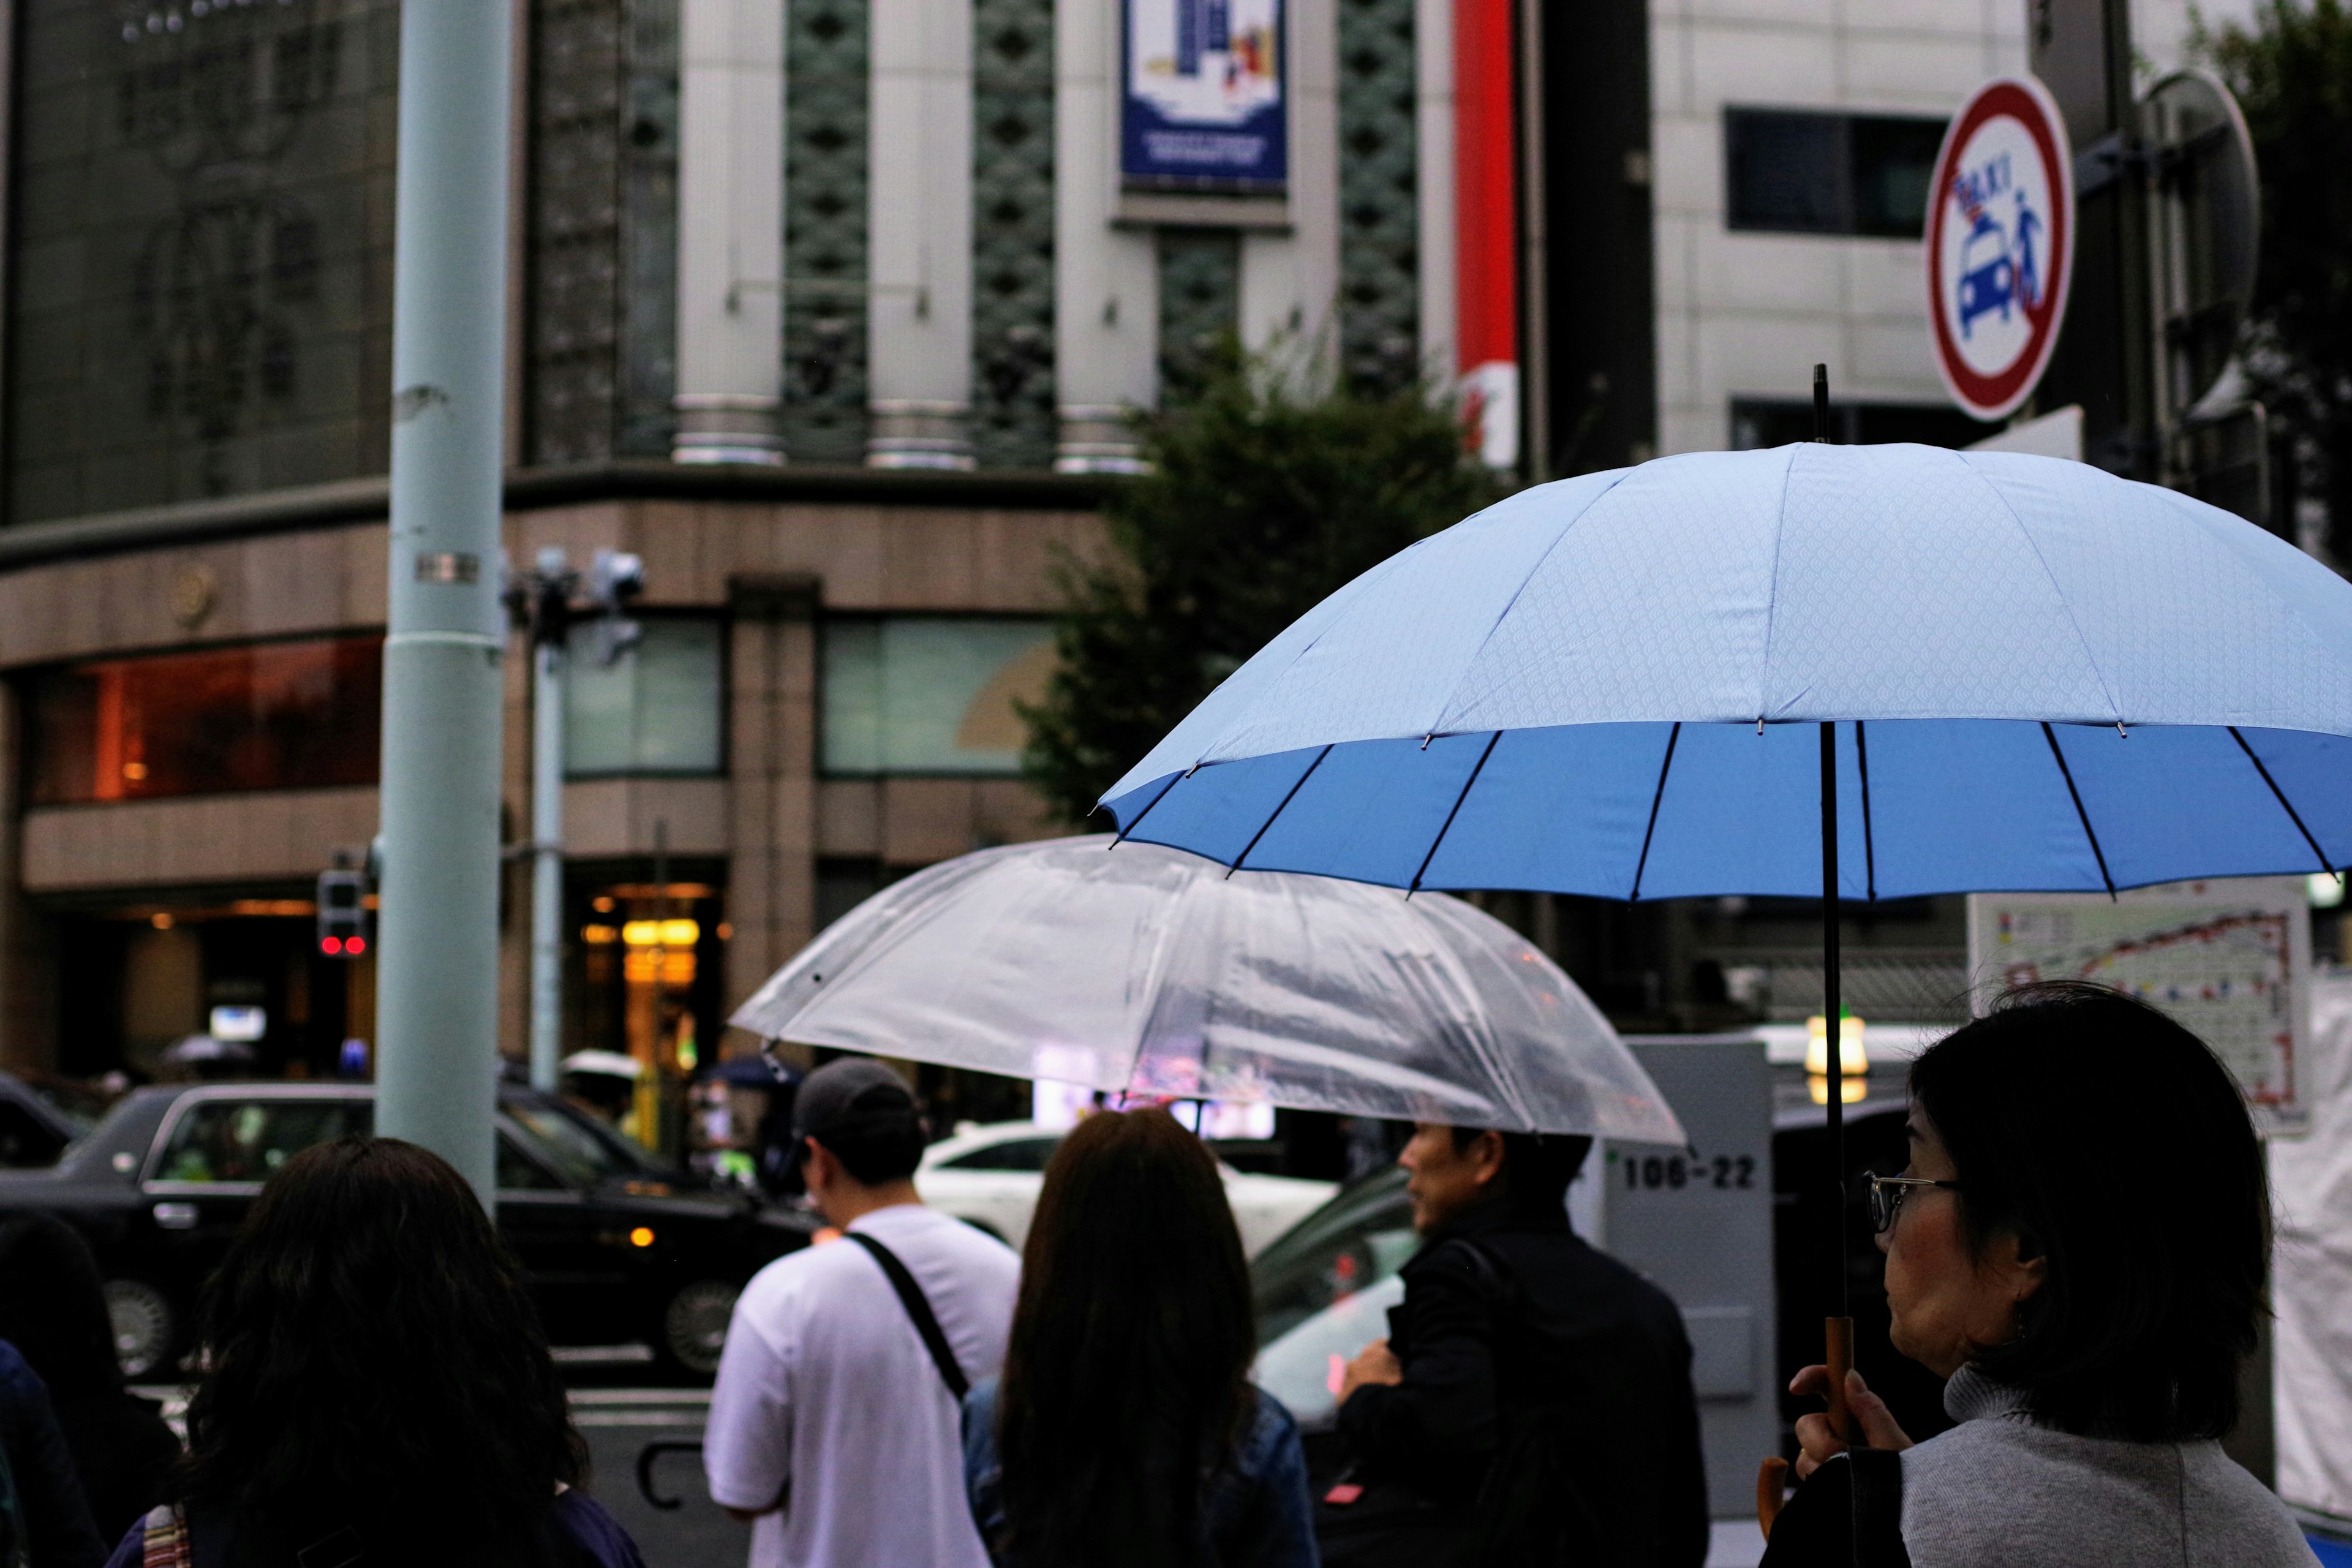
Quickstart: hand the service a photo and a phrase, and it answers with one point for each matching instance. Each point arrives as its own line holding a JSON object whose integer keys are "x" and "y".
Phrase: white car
{"x": 988, "y": 1177}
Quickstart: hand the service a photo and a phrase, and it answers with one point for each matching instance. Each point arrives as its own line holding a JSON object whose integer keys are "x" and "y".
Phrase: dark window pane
{"x": 248, "y": 1140}
{"x": 1787, "y": 171}
{"x": 1772, "y": 422}
{"x": 1894, "y": 162}
{"x": 293, "y": 715}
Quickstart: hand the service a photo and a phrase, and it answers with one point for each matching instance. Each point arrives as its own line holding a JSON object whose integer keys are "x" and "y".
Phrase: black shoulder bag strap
{"x": 919, "y": 1308}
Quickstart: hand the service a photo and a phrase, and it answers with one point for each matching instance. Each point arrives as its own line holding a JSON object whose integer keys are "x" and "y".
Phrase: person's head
{"x": 53, "y": 1306}
{"x": 1129, "y": 1364}
{"x": 1456, "y": 1169}
{"x": 2105, "y": 1244}
{"x": 858, "y": 1131}
{"x": 375, "y": 1364}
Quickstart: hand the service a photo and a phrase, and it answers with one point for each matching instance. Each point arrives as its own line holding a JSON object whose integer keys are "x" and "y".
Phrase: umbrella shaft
{"x": 1832, "y": 1021}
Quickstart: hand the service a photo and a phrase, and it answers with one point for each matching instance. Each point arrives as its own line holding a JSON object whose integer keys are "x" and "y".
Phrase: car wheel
{"x": 694, "y": 1326}
{"x": 145, "y": 1326}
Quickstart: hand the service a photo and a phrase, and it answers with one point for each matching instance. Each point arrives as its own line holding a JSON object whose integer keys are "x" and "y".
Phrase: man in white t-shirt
{"x": 833, "y": 1427}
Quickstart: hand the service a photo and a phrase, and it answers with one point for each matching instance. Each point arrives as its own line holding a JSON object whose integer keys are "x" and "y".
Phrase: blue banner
{"x": 1203, "y": 96}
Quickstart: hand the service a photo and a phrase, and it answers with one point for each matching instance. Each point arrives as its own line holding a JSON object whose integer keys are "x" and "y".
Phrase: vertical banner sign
{"x": 2000, "y": 244}
{"x": 1485, "y": 230}
{"x": 2229, "y": 959}
{"x": 1203, "y": 96}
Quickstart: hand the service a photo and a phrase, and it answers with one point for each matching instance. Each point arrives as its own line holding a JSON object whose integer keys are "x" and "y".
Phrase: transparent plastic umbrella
{"x": 1150, "y": 972}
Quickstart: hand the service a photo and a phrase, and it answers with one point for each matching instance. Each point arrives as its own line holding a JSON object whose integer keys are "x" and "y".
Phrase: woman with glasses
{"x": 2079, "y": 1245}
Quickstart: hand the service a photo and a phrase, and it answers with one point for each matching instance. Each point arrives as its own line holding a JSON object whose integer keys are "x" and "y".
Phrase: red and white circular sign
{"x": 2001, "y": 244}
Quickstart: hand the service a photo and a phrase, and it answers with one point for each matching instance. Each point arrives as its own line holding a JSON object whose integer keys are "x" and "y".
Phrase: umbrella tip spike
{"x": 1821, "y": 404}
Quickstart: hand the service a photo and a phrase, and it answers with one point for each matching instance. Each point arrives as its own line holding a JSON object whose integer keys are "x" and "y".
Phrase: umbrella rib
{"x": 1478, "y": 768}
{"x": 1869, "y": 848}
{"x": 1288, "y": 796}
{"x": 1656, "y": 795}
{"x": 2080, "y": 814}
{"x": 1173, "y": 779}
{"x": 2280, "y": 795}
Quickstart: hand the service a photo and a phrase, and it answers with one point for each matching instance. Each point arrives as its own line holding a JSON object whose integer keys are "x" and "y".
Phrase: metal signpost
{"x": 1999, "y": 245}
{"x": 545, "y": 602}
{"x": 436, "y": 1003}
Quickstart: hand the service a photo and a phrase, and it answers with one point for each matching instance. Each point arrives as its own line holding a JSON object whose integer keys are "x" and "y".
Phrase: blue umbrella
{"x": 1846, "y": 672}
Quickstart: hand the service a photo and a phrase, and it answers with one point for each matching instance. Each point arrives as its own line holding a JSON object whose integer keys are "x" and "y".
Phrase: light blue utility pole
{"x": 437, "y": 978}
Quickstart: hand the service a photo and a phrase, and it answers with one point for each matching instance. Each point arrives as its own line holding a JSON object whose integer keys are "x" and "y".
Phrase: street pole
{"x": 547, "y": 863}
{"x": 436, "y": 1003}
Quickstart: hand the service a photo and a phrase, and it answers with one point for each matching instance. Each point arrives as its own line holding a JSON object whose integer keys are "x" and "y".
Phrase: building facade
{"x": 835, "y": 312}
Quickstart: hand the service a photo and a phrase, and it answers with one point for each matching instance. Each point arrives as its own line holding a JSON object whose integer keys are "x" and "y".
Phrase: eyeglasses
{"x": 1886, "y": 1196}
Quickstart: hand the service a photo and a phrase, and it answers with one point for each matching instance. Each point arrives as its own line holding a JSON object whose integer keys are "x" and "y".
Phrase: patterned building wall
{"x": 201, "y": 250}
{"x": 602, "y": 316}
{"x": 1012, "y": 234}
{"x": 1200, "y": 304}
{"x": 825, "y": 118}
{"x": 1380, "y": 323}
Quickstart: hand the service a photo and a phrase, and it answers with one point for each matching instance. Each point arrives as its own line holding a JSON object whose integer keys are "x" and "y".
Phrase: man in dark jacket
{"x": 1535, "y": 1388}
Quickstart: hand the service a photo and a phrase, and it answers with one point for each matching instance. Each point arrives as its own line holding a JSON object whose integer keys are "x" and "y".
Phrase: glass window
{"x": 289, "y": 715}
{"x": 1798, "y": 172}
{"x": 247, "y": 1139}
{"x": 1776, "y": 422}
{"x": 517, "y": 1172}
{"x": 1013, "y": 1154}
{"x": 200, "y": 250}
{"x": 654, "y": 710}
{"x": 567, "y": 1146}
{"x": 931, "y": 694}
{"x": 1894, "y": 162}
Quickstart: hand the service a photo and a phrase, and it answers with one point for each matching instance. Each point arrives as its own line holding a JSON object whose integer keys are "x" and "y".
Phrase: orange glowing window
{"x": 289, "y": 715}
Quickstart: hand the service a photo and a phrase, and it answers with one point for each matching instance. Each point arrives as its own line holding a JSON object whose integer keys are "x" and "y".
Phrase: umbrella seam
{"x": 1450, "y": 705}
{"x": 1869, "y": 847}
{"x": 1173, "y": 779}
{"x": 1772, "y": 598}
{"x": 1477, "y": 768}
{"x": 2114, "y": 708}
{"x": 1289, "y": 795}
{"x": 1355, "y": 588}
{"x": 1656, "y": 795}
{"x": 2081, "y": 816}
{"x": 2280, "y": 795}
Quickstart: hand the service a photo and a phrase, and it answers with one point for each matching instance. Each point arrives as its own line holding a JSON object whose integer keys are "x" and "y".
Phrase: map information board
{"x": 2229, "y": 959}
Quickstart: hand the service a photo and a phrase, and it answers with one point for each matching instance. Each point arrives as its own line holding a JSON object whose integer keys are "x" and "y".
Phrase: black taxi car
{"x": 615, "y": 1250}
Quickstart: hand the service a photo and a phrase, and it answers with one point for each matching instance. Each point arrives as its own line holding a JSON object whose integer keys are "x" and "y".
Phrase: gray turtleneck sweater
{"x": 1998, "y": 1491}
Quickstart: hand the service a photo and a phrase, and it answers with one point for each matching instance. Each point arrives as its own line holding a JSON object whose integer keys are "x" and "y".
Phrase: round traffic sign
{"x": 2001, "y": 244}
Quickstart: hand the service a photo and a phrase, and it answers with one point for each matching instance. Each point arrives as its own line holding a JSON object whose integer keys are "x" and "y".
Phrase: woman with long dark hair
{"x": 1124, "y": 1430}
{"x": 377, "y": 1390}
{"x": 52, "y": 1310}
{"x": 2078, "y": 1245}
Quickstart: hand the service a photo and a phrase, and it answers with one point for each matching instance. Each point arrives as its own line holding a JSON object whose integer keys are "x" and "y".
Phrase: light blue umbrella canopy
{"x": 2044, "y": 678}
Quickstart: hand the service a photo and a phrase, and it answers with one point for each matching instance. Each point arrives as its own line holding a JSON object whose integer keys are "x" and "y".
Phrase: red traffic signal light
{"x": 333, "y": 947}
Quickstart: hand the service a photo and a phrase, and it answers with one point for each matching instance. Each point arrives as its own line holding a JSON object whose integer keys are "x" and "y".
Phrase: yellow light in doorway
{"x": 642, "y": 1237}
{"x": 661, "y": 933}
{"x": 1853, "y": 1062}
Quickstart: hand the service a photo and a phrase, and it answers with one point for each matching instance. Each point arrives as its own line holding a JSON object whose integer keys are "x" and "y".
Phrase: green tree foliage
{"x": 2293, "y": 74}
{"x": 1260, "y": 502}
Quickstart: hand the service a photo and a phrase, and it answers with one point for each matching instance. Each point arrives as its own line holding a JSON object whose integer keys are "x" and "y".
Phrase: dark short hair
{"x": 880, "y": 1137}
{"x": 1127, "y": 1375}
{"x": 373, "y": 1363}
{"x": 2114, "y": 1146}
{"x": 1537, "y": 1167}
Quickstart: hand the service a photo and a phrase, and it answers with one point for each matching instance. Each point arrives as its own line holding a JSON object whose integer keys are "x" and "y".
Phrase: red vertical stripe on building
{"x": 1486, "y": 187}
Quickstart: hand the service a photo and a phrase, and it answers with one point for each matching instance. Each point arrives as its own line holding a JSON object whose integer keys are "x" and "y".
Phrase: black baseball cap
{"x": 854, "y": 1090}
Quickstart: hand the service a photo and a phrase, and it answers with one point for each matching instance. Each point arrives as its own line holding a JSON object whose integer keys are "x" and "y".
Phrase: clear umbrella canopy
{"x": 1149, "y": 971}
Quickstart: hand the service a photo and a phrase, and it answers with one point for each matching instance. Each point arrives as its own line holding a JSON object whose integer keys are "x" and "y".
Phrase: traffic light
{"x": 343, "y": 925}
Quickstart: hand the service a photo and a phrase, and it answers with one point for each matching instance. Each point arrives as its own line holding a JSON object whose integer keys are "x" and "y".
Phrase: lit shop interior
{"x": 139, "y": 970}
